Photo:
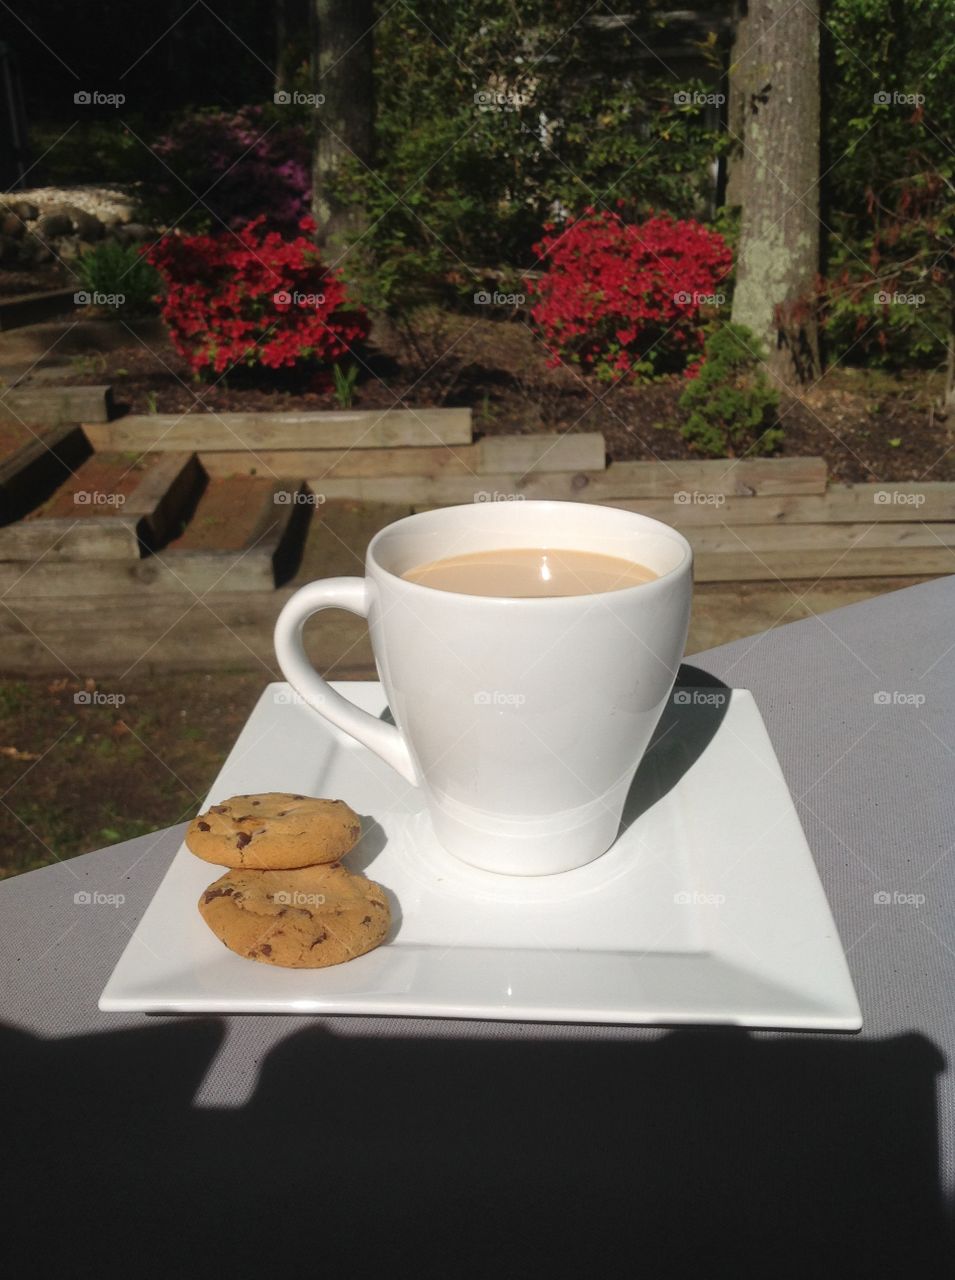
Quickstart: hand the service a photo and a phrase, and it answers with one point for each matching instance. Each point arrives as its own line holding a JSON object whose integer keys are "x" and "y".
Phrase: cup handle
{"x": 335, "y": 593}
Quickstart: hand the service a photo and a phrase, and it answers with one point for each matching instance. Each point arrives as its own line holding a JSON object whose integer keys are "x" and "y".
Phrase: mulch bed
{"x": 867, "y": 425}
{"x": 100, "y": 477}
{"x": 226, "y": 514}
{"x": 13, "y": 434}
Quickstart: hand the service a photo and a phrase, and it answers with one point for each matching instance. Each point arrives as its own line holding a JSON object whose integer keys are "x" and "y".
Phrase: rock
{"x": 52, "y": 225}
{"x": 70, "y": 248}
{"x": 10, "y": 224}
{"x": 82, "y": 223}
{"x": 87, "y": 226}
{"x": 24, "y": 209}
{"x": 39, "y": 252}
{"x": 25, "y": 251}
{"x": 135, "y": 233}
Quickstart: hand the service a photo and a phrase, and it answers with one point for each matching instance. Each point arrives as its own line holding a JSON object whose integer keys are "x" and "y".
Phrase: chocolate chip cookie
{"x": 274, "y": 831}
{"x": 304, "y": 919}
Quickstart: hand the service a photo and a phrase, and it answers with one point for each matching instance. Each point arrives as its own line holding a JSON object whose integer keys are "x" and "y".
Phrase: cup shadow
{"x": 690, "y": 721}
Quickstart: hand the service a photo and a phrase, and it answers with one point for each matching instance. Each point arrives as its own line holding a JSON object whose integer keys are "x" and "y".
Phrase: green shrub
{"x": 492, "y": 117}
{"x": 730, "y": 407}
{"x": 112, "y": 270}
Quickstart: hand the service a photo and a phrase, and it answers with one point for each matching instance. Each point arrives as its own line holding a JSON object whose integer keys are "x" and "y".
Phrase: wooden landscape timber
{"x": 760, "y": 521}
{"x": 519, "y": 455}
{"x": 620, "y": 480}
{"x": 52, "y": 405}
{"x": 348, "y": 429}
{"x": 191, "y": 572}
{"x": 31, "y": 308}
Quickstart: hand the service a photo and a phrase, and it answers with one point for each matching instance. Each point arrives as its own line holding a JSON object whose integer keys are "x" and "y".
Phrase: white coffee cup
{"x": 523, "y": 720}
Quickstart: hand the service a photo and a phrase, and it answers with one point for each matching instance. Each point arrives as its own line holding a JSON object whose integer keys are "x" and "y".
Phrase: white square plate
{"x": 708, "y": 909}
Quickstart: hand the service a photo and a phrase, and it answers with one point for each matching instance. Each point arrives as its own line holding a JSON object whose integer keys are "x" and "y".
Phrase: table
{"x": 478, "y": 1148}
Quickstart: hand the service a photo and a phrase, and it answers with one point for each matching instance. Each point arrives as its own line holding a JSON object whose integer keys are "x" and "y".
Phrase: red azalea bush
{"x": 625, "y": 299}
{"x": 254, "y": 298}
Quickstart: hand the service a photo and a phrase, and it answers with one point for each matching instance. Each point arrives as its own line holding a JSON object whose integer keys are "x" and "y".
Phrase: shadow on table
{"x": 689, "y": 723}
{"x": 698, "y": 1153}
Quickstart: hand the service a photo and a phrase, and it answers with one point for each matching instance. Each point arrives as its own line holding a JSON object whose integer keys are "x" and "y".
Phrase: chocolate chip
{"x": 247, "y": 818}
{"x": 298, "y": 797}
{"x": 367, "y": 920}
{"x": 242, "y": 839}
{"x": 265, "y": 949}
{"x": 216, "y": 893}
{"x": 217, "y": 808}
{"x": 203, "y": 826}
{"x": 321, "y": 938}
{"x": 355, "y": 832}
{"x": 256, "y": 801}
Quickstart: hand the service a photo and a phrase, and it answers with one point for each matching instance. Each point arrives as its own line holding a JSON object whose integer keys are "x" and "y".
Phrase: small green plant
{"x": 730, "y": 407}
{"x": 86, "y": 365}
{"x": 118, "y": 276}
{"x": 345, "y": 379}
{"x": 151, "y": 406}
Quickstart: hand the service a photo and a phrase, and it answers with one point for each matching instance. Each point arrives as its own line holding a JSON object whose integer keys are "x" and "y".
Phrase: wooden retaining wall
{"x": 748, "y": 520}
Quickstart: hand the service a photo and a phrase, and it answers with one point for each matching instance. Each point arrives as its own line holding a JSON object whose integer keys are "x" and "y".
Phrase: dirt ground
{"x": 868, "y": 425}
{"x": 84, "y": 765}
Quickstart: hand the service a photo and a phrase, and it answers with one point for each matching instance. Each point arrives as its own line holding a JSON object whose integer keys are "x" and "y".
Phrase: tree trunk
{"x": 282, "y": 70}
{"x": 777, "y": 73}
{"x": 344, "y": 118}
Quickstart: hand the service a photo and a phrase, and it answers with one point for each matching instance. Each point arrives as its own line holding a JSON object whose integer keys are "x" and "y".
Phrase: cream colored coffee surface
{"x": 530, "y": 571}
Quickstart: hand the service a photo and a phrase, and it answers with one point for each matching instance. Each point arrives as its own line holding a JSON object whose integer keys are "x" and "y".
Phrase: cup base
{"x": 537, "y": 854}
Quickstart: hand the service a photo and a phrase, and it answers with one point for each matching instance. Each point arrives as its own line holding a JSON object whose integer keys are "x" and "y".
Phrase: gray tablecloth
{"x": 795, "y": 1142}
